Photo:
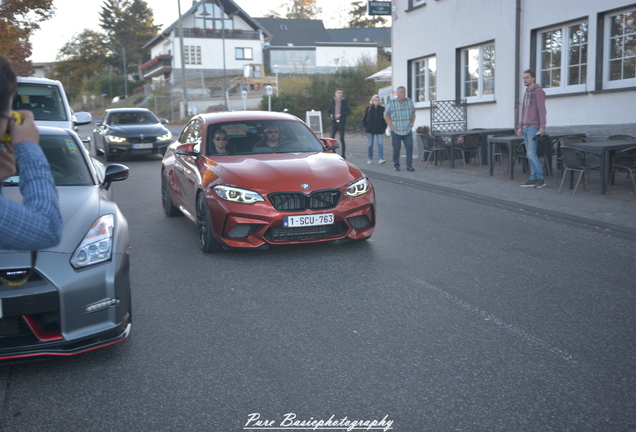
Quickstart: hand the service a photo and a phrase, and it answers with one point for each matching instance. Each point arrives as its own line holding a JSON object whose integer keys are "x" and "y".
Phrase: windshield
{"x": 255, "y": 137}
{"x": 68, "y": 165}
{"x": 45, "y": 101}
{"x": 131, "y": 118}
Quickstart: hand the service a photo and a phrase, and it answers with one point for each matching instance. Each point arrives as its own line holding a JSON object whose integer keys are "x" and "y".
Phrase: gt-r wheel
{"x": 168, "y": 207}
{"x": 206, "y": 239}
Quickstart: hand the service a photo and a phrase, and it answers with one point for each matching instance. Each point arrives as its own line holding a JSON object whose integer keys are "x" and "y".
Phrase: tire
{"x": 206, "y": 239}
{"x": 166, "y": 200}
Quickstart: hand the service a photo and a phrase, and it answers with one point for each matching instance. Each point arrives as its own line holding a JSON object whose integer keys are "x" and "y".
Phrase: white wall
{"x": 346, "y": 56}
{"x": 440, "y": 28}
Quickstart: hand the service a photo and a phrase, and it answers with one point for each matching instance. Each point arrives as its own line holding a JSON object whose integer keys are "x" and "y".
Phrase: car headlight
{"x": 238, "y": 195}
{"x": 166, "y": 137}
{"x": 97, "y": 245}
{"x": 115, "y": 139}
{"x": 358, "y": 188}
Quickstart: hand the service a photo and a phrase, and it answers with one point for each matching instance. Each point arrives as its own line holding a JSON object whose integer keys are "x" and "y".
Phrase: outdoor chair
{"x": 558, "y": 157}
{"x": 577, "y": 160}
{"x": 501, "y": 151}
{"x": 625, "y": 160}
{"x": 542, "y": 153}
{"x": 431, "y": 146}
{"x": 619, "y": 137}
{"x": 469, "y": 144}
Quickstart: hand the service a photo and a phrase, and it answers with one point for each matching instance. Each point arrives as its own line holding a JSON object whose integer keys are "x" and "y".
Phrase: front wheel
{"x": 206, "y": 239}
{"x": 166, "y": 200}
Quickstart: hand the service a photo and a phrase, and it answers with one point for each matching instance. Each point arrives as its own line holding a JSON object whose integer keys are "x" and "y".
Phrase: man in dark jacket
{"x": 338, "y": 112}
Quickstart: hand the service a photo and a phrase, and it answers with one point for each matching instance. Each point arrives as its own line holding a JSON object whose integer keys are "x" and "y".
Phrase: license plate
{"x": 142, "y": 146}
{"x": 308, "y": 220}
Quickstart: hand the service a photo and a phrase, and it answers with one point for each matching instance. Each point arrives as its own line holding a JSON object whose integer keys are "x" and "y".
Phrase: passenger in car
{"x": 221, "y": 143}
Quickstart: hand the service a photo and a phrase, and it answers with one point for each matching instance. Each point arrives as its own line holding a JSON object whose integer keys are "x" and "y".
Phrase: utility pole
{"x": 183, "y": 73}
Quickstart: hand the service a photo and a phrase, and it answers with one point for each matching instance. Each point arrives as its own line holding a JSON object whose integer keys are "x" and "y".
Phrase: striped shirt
{"x": 400, "y": 114}
{"x": 37, "y": 222}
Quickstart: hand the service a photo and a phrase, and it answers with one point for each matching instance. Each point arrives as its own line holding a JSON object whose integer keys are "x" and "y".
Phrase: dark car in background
{"x": 77, "y": 297}
{"x": 130, "y": 132}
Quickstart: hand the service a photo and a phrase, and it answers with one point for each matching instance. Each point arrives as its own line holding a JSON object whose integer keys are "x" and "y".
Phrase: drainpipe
{"x": 517, "y": 81}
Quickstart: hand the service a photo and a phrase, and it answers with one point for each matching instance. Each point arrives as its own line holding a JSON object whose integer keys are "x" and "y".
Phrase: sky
{"x": 73, "y": 16}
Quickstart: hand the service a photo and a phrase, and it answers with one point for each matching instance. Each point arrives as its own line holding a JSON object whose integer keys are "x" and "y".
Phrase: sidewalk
{"x": 614, "y": 211}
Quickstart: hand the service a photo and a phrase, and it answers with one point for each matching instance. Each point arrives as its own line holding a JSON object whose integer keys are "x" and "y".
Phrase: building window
{"x": 192, "y": 54}
{"x": 416, "y": 3}
{"x": 424, "y": 76}
{"x": 562, "y": 58}
{"x": 211, "y": 16}
{"x": 478, "y": 72}
{"x": 243, "y": 54}
{"x": 620, "y": 49}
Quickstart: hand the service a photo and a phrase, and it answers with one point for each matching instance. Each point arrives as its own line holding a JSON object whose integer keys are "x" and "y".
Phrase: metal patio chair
{"x": 578, "y": 160}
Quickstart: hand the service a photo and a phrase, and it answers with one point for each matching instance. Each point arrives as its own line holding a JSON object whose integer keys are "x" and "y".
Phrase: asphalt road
{"x": 456, "y": 315}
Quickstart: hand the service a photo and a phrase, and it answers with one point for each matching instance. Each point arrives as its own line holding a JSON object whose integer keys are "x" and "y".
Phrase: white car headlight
{"x": 115, "y": 139}
{"x": 238, "y": 195}
{"x": 358, "y": 188}
{"x": 166, "y": 137}
{"x": 97, "y": 245}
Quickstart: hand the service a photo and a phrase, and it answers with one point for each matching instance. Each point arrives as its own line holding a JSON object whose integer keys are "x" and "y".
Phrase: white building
{"x": 215, "y": 39}
{"x": 583, "y": 52}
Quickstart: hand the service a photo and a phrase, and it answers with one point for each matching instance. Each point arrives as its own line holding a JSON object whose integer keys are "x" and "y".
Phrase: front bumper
{"x": 126, "y": 149}
{"x": 254, "y": 225}
{"x": 51, "y": 315}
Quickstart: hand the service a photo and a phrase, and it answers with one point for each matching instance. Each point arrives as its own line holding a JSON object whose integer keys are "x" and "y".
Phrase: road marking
{"x": 486, "y": 316}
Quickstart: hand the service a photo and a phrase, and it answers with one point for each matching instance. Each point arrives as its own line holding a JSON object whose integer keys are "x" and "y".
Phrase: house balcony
{"x": 159, "y": 65}
{"x": 217, "y": 34}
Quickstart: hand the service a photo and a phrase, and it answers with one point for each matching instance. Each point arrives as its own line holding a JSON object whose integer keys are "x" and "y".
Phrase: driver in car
{"x": 270, "y": 139}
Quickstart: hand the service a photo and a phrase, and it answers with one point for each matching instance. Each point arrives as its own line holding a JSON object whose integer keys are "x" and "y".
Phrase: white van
{"x": 47, "y": 100}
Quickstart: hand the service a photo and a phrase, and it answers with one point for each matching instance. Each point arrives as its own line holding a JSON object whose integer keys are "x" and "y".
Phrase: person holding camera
{"x": 36, "y": 223}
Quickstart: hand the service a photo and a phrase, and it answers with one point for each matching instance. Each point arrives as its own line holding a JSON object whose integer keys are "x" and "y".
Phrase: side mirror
{"x": 115, "y": 172}
{"x": 164, "y": 121}
{"x": 330, "y": 144}
{"x": 83, "y": 118}
{"x": 98, "y": 123}
{"x": 187, "y": 150}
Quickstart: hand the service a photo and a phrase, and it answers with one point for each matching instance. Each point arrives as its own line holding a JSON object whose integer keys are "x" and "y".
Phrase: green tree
{"x": 18, "y": 20}
{"x": 302, "y": 9}
{"x": 359, "y": 17}
{"x": 83, "y": 57}
{"x": 129, "y": 25}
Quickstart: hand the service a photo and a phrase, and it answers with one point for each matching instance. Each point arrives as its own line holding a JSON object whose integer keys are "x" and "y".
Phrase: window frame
{"x": 426, "y": 88}
{"x": 243, "y": 50}
{"x": 564, "y": 63}
{"x": 607, "y": 18}
{"x": 481, "y": 96}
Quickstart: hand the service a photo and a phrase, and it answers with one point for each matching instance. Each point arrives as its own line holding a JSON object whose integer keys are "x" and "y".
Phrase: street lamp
{"x": 276, "y": 69}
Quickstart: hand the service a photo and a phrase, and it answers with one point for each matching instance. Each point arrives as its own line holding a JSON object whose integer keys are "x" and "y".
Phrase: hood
{"x": 79, "y": 206}
{"x": 141, "y": 129}
{"x": 287, "y": 172}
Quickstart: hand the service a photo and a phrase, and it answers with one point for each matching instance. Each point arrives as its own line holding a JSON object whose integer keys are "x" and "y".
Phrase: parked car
{"x": 78, "y": 295}
{"x": 47, "y": 100}
{"x": 130, "y": 131}
{"x": 299, "y": 191}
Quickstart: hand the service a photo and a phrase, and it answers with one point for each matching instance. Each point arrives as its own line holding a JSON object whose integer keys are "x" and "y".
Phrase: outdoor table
{"x": 606, "y": 150}
{"x": 456, "y": 134}
{"x": 513, "y": 141}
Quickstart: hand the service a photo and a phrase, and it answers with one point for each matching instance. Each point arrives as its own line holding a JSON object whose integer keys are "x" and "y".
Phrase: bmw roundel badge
{"x": 304, "y": 186}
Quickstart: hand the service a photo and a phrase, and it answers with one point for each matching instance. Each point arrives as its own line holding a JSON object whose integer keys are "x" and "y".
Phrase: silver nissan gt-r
{"x": 77, "y": 297}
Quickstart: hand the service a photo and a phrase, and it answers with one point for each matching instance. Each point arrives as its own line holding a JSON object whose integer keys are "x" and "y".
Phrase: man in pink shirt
{"x": 531, "y": 126}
